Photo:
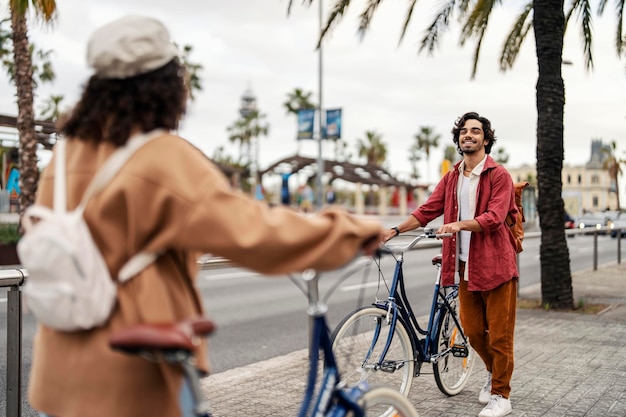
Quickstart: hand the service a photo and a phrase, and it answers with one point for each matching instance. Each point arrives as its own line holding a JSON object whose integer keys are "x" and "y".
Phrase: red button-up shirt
{"x": 492, "y": 257}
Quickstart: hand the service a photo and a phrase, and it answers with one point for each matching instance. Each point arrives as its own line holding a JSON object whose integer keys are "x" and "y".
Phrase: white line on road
{"x": 359, "y": 286}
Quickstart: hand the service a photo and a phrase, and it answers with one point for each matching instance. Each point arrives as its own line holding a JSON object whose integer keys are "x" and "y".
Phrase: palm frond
{"x": 437, "y": 27}
{"x": 515, "y": 38}
{"x": 463, "y": 6}
{"x": 620, "y": 43}
{"x": 620, "y": 40}
{"x": 409, "y": 13}
{"x": 586, "y": 31}
{"x": 335, "y": 16}
{"x": 477, "y": 20}
{"x": 365, "y": 17}
{"x": 475, "y": 26}
{"x": 477, "y": 53}
{"x": 291, "y": 3}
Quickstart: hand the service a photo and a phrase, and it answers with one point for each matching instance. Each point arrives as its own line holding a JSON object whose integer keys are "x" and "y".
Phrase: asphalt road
{"x": 262, "y": 317}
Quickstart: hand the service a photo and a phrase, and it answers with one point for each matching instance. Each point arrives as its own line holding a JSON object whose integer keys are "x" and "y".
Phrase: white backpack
{"x": 69, "y": 286}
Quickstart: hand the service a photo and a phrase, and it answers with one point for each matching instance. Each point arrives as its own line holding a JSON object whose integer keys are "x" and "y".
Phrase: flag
{"x": 333, "y": 124}
{"x": 306, "y": 120}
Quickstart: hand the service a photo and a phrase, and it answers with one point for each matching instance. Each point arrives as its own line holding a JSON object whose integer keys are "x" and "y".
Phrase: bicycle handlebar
{"x": 428, "y": 234}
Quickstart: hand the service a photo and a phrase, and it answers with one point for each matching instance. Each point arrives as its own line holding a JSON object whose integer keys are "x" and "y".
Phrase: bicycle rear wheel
{"x": 354, "y": 337}
{"x": 387, "y": 402}
{"x": 452, "y": 371}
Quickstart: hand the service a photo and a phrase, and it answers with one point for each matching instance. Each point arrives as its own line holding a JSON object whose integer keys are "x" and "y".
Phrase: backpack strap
{"x": 115, "y": 162}
{"x": 135, "y": 265}
{"x": 60, "y": 186}
{"x": 105, "y": 174}
{"x": 509, "y": 220}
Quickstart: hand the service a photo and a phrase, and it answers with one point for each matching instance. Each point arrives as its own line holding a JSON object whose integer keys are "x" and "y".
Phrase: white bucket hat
{"x": 129, "y": 46}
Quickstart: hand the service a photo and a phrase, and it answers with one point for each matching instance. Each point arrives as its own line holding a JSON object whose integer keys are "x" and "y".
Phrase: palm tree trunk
{"x": 29, "y": 173}
{"x": 556, "y": 279}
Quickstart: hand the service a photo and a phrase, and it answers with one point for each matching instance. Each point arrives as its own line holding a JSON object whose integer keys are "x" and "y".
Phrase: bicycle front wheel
{"x": 452, "y": 370}
{"x": 358, "y": 354}
{"x": 386, "y": 402}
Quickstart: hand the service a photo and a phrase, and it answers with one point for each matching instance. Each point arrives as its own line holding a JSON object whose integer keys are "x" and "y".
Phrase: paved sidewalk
{"x": 567, "y": 365}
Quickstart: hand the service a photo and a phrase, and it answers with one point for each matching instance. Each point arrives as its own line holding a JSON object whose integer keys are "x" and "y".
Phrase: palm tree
{"x": 192, "y": 70}
{"x": 414, "y": 158}
{"x": 342, "y": 153}
{"x": 501, "y": 156}
{"x": 298, "y": 100}
{"x": 243, "y": 131}
{"x": 548, "y": 20}
{"x": 29, "y": 174}
{"x": 51, "y": 109}
{"x": 613, "y": 165}
{"x": 426, "y": 139}
{"x": 42, "y": 65}
{"x": 372, "y": 148}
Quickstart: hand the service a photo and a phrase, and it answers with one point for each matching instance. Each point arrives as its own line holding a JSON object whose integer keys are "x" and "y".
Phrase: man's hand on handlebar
{"x": 453, "y": 227}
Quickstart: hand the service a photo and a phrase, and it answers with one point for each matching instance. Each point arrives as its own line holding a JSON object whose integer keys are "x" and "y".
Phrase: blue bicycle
{"x": 328, "y": 397}
{"x": 384, "y": 343}
{"x": 332, "y": 397}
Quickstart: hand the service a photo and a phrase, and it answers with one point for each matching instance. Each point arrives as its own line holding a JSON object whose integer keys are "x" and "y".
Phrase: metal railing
{"x": 15, "y": 278}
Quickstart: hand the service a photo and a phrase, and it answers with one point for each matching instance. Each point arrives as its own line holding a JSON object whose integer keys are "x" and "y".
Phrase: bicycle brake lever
{"x": 381, "y": 251}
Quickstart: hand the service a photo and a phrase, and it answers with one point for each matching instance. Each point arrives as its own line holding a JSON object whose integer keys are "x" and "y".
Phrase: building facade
{"x": 586, "y": 188}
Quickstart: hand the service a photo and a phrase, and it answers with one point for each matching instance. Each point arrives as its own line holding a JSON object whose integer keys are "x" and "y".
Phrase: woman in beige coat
{"x": 170, "y": 199}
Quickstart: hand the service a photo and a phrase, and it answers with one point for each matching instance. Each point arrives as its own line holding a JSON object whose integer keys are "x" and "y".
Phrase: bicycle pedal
{"x": 391, "y": 366}
{"x": 460, "y": 351}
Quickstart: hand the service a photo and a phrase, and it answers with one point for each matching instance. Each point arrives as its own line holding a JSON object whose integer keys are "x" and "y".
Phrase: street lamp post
{"x": 320, "y": 137}
{"x": 246, "y": 110}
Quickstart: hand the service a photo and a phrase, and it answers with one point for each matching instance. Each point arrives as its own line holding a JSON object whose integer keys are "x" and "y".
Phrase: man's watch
{"x": 397, "y": 230}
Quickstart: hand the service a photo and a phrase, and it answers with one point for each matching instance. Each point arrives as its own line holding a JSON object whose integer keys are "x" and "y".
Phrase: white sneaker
{"x": 485, "y": 391}
{"x": 497, "y": 407}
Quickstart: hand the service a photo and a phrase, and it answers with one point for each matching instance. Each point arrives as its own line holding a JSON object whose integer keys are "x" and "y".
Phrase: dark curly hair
{"x": 487, "y": 130}
{"x": 110, "y": 109}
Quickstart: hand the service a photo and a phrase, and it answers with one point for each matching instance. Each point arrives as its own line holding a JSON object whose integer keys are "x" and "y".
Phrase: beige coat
{"x": 169, "y": 197}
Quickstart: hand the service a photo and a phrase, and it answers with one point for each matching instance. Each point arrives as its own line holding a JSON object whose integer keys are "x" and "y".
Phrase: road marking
{"x": 359, "y": 286}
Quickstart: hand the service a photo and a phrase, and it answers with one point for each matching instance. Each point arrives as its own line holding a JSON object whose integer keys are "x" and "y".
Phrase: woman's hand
{"x": 388, "y": 235}
{"x": 371, "y": 245}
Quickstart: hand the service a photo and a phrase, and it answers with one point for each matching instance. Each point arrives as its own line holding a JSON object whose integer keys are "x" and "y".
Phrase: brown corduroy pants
{"x": 488, "y": 319}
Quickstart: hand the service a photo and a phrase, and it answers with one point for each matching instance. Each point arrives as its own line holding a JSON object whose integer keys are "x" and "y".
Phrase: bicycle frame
{"x": 332, "y": 400}
{"x": 397, "y": 304}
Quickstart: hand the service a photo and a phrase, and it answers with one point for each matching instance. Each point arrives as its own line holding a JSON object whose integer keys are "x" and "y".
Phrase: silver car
{"x": 619, "y": 223}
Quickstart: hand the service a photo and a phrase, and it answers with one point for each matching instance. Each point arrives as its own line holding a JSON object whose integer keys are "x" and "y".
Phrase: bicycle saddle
{"x": 161, "y": 336}
{"x": 437, "y": 259}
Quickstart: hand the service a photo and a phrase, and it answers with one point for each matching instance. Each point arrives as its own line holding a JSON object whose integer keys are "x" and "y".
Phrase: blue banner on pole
{"x": 306, "y": 122}
{"x": 333, "y": 124}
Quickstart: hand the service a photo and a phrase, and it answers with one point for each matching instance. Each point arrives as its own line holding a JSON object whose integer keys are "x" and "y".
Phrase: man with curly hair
{"x": 475, "y": 199}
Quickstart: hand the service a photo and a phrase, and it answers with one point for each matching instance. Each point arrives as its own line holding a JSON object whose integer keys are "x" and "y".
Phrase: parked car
{"x": 591, "y": 221}
{"x": 619, "y": 224}
{"x": 594, "y": 220}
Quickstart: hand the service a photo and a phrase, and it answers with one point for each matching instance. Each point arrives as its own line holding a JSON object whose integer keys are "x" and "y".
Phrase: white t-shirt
{"x": 465, "y": 213}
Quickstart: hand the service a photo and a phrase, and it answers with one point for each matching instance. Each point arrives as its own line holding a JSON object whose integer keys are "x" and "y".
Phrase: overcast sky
{"x": 379, "y": 85}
